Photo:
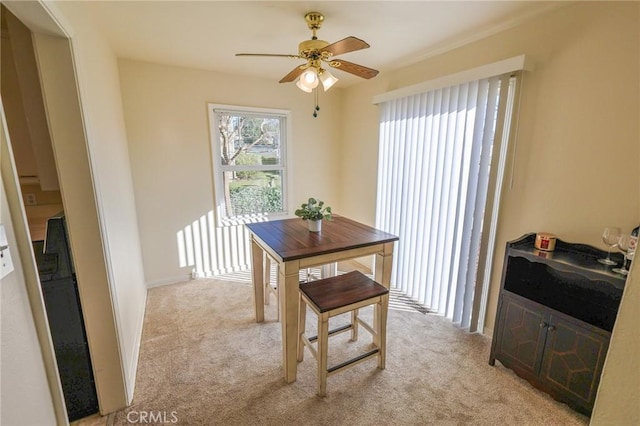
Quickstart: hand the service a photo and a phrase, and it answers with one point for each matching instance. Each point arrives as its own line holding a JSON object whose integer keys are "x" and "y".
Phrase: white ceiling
{"x": 207, "y": 34}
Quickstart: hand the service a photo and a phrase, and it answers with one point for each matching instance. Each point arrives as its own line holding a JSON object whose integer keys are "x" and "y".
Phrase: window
{"x": 249, "y": 148}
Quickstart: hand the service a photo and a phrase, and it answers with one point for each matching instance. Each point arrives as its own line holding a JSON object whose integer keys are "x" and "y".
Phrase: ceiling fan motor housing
{"x": 308, "y": 47}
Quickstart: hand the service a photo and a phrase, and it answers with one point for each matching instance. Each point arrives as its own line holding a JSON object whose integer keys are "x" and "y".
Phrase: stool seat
{"x": 334, "y": 296}
{"x": 342, "y": 290}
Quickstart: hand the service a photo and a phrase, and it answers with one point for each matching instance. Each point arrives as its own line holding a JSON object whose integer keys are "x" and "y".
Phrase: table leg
{"x": 384, "y": 261}
{"x": 288, "y": 283}
{"x": 257, "y": 278}
{"x": 382, "y": 275}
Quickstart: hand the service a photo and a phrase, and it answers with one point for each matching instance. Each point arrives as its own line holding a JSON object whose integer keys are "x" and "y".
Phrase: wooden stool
{"x": 334, "y": 296}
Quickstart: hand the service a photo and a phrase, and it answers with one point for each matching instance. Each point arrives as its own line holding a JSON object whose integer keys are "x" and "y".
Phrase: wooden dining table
{"x": 293, "y": 247}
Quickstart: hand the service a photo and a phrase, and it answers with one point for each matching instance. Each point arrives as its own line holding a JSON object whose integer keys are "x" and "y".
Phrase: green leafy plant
{"x": 314, "y": 210}
{"x": 255, "y": 199}
{"x": 246, "y": 159}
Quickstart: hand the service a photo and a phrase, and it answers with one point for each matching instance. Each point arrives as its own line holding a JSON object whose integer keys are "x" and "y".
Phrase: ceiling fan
{"x": 318, "y": 53}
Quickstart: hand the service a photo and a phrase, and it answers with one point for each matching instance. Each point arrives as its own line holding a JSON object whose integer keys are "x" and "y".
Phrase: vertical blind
{"x": 433, "y": 173}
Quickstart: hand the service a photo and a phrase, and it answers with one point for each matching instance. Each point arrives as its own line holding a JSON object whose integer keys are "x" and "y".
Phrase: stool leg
{"x": 267, "y": 285}
{"x": 302, "y": 320}
{"x": 382, "y": 331}
{"x": 277, "y": 293}
{"x": 323, "y": 343}
{"x": 267, "y": 278}
{"x": 354, "y": 325}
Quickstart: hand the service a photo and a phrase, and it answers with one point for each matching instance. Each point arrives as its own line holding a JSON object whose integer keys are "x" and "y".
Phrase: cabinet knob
{"x": 544, "y": 324}
{"x": 552, "y": 328}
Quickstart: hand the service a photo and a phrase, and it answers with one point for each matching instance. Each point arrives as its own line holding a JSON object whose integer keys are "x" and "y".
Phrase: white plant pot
{"x": 315, "y": 225}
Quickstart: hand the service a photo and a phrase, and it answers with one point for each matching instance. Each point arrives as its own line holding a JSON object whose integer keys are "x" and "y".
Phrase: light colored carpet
{"x": 205, "y": 361}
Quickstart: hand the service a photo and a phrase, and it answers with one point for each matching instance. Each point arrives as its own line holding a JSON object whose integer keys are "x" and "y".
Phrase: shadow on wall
{"x": 213, "y": 249}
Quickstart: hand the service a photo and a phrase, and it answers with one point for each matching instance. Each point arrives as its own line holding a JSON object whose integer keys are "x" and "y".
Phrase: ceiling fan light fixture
{"x": 302, "y": 86}
{"x": 309, "y": 78}
{"x": 327, "y": 79}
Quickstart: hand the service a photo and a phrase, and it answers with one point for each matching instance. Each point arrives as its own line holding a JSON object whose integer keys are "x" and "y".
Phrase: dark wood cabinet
{"x": 555, "y": 315}
{"x": 573, "y": 360}
{"x": 520, "y": 336}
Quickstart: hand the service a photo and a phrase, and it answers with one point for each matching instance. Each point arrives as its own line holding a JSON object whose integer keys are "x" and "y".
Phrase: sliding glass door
{"x": 440, "y": 157}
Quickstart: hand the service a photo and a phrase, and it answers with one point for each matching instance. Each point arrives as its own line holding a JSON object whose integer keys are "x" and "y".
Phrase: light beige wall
{"x": 359, "y": 159}
{"x": 14, "y": 110}
{"x": 618, "y": 398}
{"x": 168, "y": 131}
{"x": 576, "y": 168}
{"x": 28, "y": 81}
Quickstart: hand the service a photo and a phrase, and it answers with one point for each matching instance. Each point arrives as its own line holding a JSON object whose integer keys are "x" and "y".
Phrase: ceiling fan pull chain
{"x": 317, "y": 108}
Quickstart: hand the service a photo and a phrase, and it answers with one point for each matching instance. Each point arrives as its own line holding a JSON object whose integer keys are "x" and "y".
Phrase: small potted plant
{"x": 314, "y": 211}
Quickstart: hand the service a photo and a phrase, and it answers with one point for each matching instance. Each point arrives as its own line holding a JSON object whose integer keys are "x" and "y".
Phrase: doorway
{"x": 32, "y": 151}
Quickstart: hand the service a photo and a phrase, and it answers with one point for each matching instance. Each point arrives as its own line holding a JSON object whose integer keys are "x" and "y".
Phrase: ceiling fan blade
{"x": 293, "y": 74}
{"x": 269, "y": 54}
{"x": 355, "y": 69}
{"x": 345, "y": 45}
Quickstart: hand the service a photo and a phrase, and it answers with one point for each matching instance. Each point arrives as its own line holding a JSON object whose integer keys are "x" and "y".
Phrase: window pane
{"x": 253, "y": 192}
{"x": 249, "y": 140}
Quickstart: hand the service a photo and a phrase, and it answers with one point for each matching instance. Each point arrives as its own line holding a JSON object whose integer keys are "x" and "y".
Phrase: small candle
{"x": 545, "y": 241}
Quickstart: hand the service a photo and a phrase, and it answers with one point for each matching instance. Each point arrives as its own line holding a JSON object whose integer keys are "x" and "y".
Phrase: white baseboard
{"x": 488, "y": 332}
{"x": 167, "y": 281}
{"x": 133, "y": 367}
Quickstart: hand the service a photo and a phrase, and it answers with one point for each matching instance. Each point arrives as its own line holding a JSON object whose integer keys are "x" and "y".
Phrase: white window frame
{"x": 218, "y": 168}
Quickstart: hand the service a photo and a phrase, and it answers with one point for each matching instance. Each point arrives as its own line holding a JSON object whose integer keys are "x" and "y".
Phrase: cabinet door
{"x": 573, "y": 360}
{"x": 521, "y": 335}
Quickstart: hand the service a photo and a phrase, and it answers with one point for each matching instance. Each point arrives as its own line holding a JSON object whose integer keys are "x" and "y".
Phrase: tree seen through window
{"x": 251, "y": 155}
